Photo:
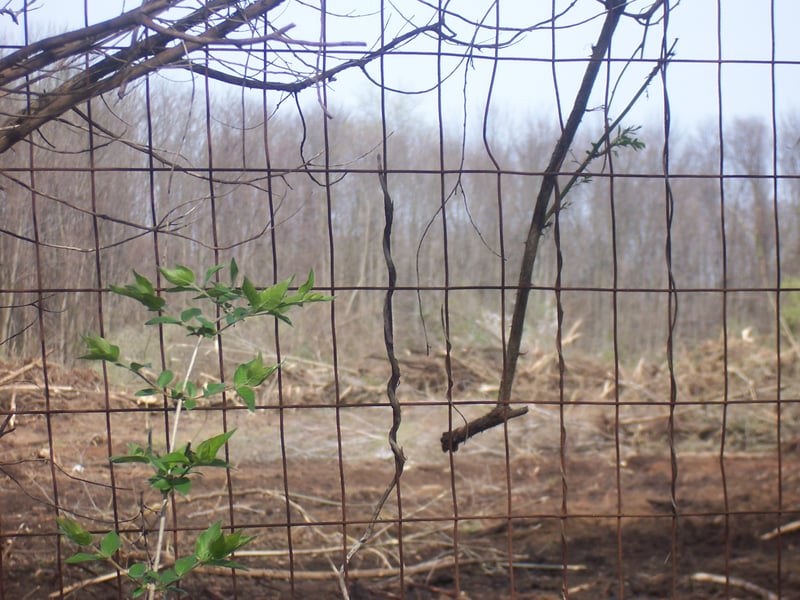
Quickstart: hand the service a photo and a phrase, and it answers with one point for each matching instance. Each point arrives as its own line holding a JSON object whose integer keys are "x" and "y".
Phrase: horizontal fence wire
{"x": 554, "y": 347}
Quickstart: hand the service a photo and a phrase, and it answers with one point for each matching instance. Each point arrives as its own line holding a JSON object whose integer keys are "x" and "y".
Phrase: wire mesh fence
{"x": 550, "y": 349}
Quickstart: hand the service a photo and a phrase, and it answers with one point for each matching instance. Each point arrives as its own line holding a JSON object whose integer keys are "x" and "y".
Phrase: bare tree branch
{"x": 168, "y": 47}
{"x": 117, "y": 70}
{"x": 502, "y": 411}
{"x": 49, "y": 51}
{"x": 296, "y": 86}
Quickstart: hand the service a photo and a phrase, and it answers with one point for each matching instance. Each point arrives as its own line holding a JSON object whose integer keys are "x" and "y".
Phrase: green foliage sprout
{"x": 233, "y": 304}
{"x": 790, "y": 304}
{"x": 173, "y": 471}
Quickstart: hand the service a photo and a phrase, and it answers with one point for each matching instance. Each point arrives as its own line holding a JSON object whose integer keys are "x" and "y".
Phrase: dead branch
{"x": 792, "y": 527}
{"x": 426, "y": 567}
{"x": 502, "y": 412}
{"x": 33, "y": 364}
{"x": 294, "y": 87}
{"x": 497, "y": 416}
{"x": 47, "y": 52}
{"x": 117, "y": 70}
{"x": 166, "y": 47}
{"x": 735, "y": 582}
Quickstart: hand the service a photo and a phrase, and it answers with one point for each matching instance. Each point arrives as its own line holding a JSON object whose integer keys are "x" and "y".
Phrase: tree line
{"x": 283, "y": 194}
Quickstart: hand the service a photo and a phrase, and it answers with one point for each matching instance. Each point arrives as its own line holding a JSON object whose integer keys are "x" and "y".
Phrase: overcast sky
{"x": 526, "y": 87}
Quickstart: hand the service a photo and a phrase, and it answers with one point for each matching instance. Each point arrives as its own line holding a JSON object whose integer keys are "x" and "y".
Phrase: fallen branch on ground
{"x": 424, "y": 567}
{"x": 782, "y": 530}
{"x": 735, "y": 582}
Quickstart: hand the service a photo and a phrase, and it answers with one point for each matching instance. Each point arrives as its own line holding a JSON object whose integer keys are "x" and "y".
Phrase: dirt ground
{"x": 591, "y": 520}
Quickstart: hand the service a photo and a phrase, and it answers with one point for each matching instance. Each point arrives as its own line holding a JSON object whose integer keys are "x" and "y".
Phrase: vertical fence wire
{"x": 726, "y": 532}
{"x": 773, "y": 176}
{"x": 99, "y": 296}
{"x": 273, "y": 245}
{"x": 607, "y": 94}
{"x": 452, "y": 414}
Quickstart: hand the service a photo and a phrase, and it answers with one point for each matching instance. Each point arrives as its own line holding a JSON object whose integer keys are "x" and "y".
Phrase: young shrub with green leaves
{"x": 230, "y": 304}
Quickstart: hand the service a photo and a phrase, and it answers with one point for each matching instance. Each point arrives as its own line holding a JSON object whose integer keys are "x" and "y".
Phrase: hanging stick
{"x": 394, "y": 380}
{"x": 502, "y": 411}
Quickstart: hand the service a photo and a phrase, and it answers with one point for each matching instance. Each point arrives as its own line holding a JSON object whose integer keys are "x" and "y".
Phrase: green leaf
{"x": 206, "y": 329}
{"x": 305, "y": 295}
{"x": 142, "y": 291}
{"x": 109, "y": 544}
{"x": 189, "y": 404}
{"x": 177, "y": 457}
{"x": 73, "y": 531}
{"x": 212, "y": 546}
{"x": 306, "y": 287}
{"x": 202, "y": 547}
{"x": 189, "y": 314}
{"x": 165, "y": 319}
{"x": 270, "y": 300}
{"x": 128, "y": 458}
{"x": 147, "y": 392}
{"x": 136, "y": 454}
{"x": 228, "y": 564}
{"x": 250, "y": 292}
{"x": 136, "y": 367}
{"x": 210, "y": 274}
{"x": 226, "y": 544}
{"x": 253, "y": 373}
{"x": 221, "y": 293}
{"x": 240, "y": 313}
{"x": 143, "y": 283}
{"x": 272, "y": 297}
{"x": 234, "y": 271}
{"x": 182, "y": 485}
{"x": 185, "y": 564}
{"x": 212, "y": 389}
{"x": 99, "y": 349}
{"x": 165, "y": 485}
{"x": 279, "y": 315}
{"x": 137, "y": 571}
{"x": 179, "y": 276}
{"x": 165, "y": 378}
{"x": 207, "y": 449}
{"x": 81, "y": 557}
{"x": 166, "y": 577}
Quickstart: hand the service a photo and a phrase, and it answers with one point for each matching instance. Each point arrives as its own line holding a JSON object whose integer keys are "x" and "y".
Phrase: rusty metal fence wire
{"x": 566, "y": 234}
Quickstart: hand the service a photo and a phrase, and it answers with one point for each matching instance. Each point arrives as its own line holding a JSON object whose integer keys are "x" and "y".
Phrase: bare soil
{"x": 513, "y": 514}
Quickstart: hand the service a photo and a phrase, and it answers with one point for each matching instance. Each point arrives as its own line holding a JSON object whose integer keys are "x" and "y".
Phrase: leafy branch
{"x": 233, "y": 304}
{"x": 212, "y": 548}
{"x": 173, "y": 471}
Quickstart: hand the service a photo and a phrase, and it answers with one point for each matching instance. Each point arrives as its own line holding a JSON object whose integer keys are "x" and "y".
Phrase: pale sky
{"x": 526, "y": 87}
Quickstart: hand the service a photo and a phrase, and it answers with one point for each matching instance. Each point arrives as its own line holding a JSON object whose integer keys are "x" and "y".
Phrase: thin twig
{"x": 162, "y": 518}
{"x": 595, "y": 152}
